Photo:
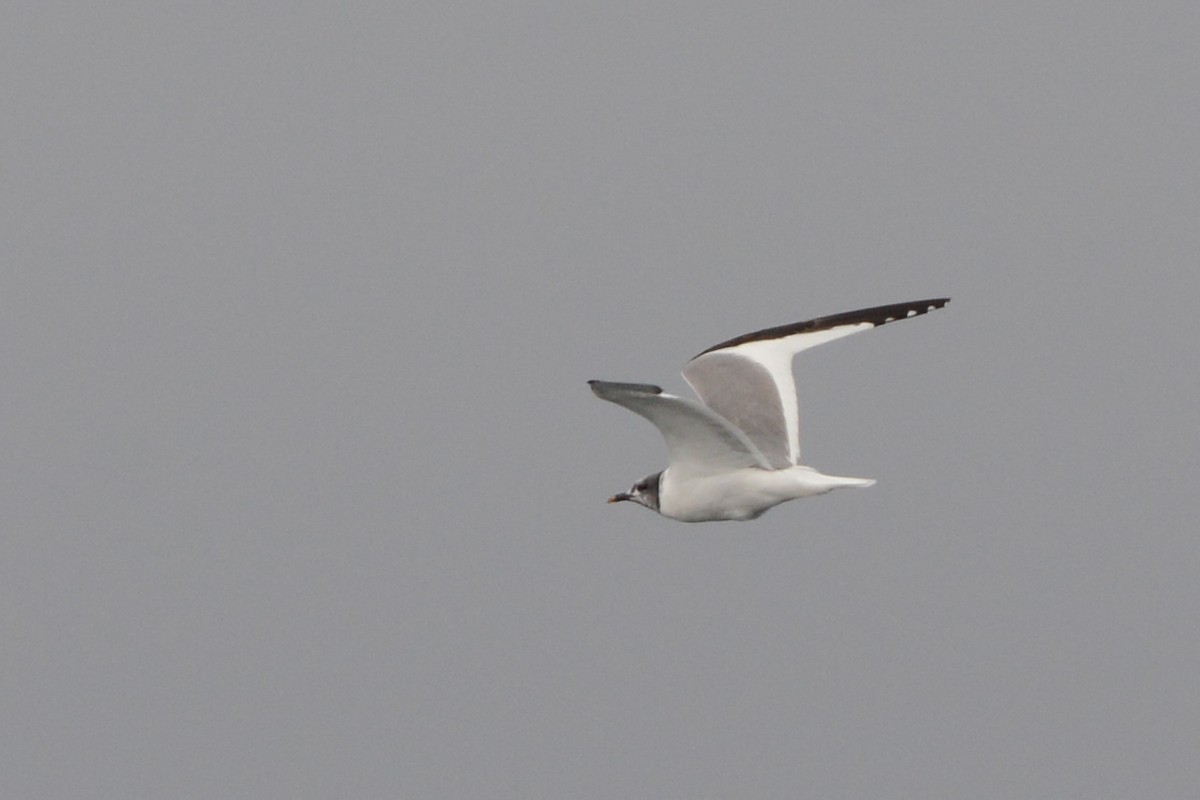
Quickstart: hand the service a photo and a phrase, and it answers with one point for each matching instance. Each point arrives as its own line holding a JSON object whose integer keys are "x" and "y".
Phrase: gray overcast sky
{"x": 303, "y": 487}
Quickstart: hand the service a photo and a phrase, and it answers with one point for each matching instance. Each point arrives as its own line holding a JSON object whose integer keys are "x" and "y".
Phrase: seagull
{"x": 736, "y": 453}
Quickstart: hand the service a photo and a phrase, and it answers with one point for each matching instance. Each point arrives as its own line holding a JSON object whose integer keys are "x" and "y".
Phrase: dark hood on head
{"x": 653, "y": 483}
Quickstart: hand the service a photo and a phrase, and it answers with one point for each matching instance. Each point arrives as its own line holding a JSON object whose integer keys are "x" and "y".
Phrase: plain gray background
{"x": 303, "y": 487}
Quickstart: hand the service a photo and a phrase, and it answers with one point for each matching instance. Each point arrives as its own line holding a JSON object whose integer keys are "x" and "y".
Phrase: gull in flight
{"x": 736, "y": 453}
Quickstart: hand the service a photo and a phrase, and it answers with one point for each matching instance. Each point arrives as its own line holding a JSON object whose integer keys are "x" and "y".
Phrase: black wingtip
{"x": 878, "y": 315}
{"x": 644, "y": 388}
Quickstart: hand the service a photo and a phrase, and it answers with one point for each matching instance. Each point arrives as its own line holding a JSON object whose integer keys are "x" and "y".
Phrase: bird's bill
{"x": 616, "y": 498}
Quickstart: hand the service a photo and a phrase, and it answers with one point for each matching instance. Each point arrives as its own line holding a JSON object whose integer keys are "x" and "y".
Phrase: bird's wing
{"x": 699, "y": 442}
{"x": 748, "y": 380}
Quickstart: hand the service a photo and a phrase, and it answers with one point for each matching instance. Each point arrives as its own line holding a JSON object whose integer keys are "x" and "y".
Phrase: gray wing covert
{"x": 698, "y": 440}
{"x": 744, "y": 392}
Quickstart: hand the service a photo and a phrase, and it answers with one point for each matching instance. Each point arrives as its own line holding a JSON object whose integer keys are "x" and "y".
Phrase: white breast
{"x": 742, "y": 494}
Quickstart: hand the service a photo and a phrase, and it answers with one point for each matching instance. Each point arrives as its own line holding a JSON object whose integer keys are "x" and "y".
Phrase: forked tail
{"x": 840, "y": 482}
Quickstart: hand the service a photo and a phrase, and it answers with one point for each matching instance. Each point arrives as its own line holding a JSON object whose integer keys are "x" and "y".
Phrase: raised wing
{"x": 699, "y": 442}
{"x": 748, "y": 380}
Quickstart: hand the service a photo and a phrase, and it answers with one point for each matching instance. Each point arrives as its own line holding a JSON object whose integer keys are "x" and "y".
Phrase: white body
{"x": 743, "y": 494}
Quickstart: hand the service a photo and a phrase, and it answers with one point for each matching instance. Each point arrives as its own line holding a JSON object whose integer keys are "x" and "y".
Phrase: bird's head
{"x": 644, "y": 492}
